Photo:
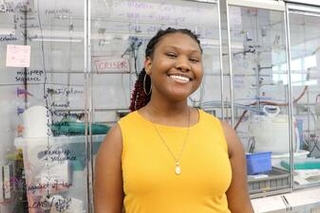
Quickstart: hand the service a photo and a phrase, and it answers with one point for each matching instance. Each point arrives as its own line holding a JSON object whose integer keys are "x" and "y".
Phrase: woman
{"x": 167, "y": 157}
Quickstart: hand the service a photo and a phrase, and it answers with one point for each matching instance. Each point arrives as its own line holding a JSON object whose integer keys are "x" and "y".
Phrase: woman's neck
{"x": 167, "y": 115}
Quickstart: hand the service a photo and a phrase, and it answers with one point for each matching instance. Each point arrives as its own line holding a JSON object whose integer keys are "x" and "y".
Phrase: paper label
{"x": 18, "y": 56}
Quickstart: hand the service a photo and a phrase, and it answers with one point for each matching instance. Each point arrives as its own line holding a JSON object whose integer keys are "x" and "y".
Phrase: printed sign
{"x": 111, "y": 64}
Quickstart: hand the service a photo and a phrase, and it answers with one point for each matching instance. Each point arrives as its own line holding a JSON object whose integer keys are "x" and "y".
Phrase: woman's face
{"x": 176, "y": 67}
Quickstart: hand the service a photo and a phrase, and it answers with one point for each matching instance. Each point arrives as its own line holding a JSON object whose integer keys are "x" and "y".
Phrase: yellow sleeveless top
{"x": 149, "y": 179}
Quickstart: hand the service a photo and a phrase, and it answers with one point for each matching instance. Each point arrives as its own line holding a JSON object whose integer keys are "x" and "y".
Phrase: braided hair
{"x": 142, "y": 88}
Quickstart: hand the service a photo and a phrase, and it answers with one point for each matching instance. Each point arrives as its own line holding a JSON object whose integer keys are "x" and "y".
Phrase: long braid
{"x": 139, "y": 97}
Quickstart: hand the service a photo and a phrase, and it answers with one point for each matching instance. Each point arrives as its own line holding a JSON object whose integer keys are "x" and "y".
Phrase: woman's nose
{"x": 183, "y": 64}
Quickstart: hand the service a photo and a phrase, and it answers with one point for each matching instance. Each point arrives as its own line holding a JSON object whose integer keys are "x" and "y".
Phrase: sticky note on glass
{"x": 18, "y": 56}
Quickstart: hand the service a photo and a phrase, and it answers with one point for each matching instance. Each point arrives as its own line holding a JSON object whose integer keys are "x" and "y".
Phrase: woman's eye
{"x": 171, "y": 55}
{"x": 194, "y": 60}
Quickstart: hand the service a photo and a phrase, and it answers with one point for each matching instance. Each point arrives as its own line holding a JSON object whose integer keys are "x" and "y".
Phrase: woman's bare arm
{"x": 108, "y": 184}
{"x": 237, "y": 194}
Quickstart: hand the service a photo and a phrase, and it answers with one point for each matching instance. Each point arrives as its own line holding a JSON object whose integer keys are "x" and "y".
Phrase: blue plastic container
{"x": 258, "y": 163}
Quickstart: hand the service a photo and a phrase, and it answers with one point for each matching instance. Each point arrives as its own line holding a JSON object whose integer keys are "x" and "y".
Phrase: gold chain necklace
{"x": 176, "y": 159}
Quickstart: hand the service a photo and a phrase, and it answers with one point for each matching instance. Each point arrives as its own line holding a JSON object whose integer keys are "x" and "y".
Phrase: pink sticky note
{"x": 18, "y": 56}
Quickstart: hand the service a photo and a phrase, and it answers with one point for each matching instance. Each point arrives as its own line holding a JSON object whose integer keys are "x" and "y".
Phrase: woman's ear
{"x": 147, "y": 65}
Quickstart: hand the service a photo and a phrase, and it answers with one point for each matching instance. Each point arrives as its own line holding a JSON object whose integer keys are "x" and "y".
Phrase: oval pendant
{"x": 178, "y": 169}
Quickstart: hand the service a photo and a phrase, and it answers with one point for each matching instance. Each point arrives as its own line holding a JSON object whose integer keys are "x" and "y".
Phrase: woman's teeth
{"x": 180, "y": 78}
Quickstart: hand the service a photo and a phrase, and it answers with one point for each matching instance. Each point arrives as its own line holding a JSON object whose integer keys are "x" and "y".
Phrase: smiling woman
{"x": 166, "y": 156}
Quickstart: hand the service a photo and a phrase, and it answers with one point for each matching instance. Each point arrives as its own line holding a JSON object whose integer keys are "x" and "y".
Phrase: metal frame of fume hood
{"x": 304, "y": 2}
{"x": 266, "y": 4}
{"x": 271, "y": 6}
{"x": 308, "y": 11}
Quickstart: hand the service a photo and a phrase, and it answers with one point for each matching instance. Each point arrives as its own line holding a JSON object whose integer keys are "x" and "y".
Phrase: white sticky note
{"x": 18, "y": 56}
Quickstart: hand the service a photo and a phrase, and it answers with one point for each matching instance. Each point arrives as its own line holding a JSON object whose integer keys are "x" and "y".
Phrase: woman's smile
{"x": 180, "y": 78}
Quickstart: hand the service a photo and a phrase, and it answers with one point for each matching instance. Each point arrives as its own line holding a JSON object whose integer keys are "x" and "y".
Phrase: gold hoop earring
{"x": 144, "y": 86}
